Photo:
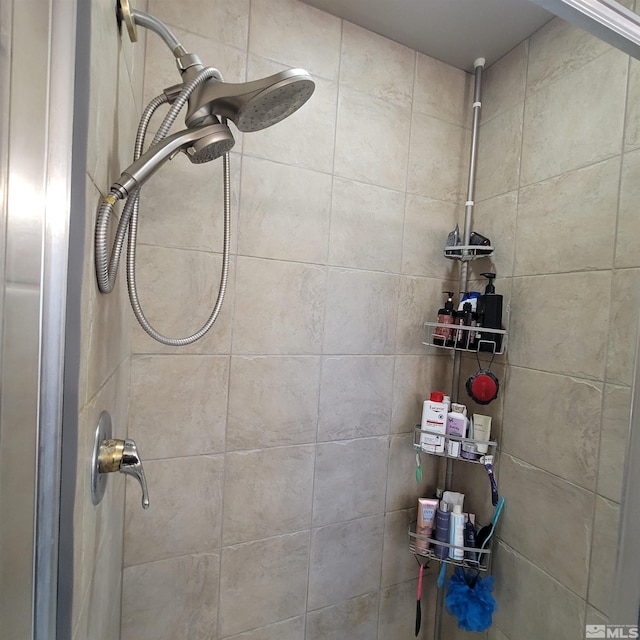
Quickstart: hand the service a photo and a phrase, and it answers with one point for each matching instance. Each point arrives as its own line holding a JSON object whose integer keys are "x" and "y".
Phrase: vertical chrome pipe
{"x": 462, "y": 286}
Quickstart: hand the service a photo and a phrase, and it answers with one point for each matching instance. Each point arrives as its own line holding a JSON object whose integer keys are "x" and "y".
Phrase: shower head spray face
{"x": 252, "y": 106}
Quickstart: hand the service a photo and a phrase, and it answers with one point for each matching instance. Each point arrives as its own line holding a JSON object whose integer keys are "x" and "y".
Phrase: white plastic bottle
{"x": 434, "y": 422}
{"x": 456, "y": 533}
{"x": 456, "y": 426}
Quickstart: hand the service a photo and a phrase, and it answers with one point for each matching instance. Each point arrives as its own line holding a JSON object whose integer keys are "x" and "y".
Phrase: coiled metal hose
{"x": 107, "y": 268}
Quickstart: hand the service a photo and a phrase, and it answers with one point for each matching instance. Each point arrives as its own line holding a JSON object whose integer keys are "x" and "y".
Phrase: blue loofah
{"x": 470, "y": 600}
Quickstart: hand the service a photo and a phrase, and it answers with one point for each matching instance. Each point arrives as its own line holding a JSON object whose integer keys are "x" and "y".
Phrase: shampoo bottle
{"x": 442, "y": 530}
{"x": 490, "y": 316}
{"x": 443, "y": 336}
{"x": 456, "y": 533}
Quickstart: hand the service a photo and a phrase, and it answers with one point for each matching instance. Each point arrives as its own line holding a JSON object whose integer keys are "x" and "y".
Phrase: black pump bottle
{"x": 490, "y": 316}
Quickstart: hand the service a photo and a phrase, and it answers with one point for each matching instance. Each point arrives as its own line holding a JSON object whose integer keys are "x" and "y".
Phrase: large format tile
{"x": 267, "y": 493}
{"x": 441, "y": 91}
{"x": 350, "y": 479}
{"x": 174, "y": 598}
{"x": 277, "y": 217}
{"x": 369, "y": 132}
{"x": 559, "y": 217}
{"x": 345, "y": 561}
{"x": 566, "y": 444}
{"x": 398, "y": 609}
{"x": 389, "y": 78}
{"x": 361, "y": 312}
{"x": 437, "y": 158}
{"x": 178, "y": 405}
{"x": 628, "y": 232}
{"x": 632, "y": 124}
{"x": 616, "y": 419}
{"x": 560, "y": 134}
{"x": 273, "y": 401}
{"x": 356, "y": 619}
{"x": 366, "y": 226}
{"x": 279, "y": 307}
{"x": 355, "y": 397}
{"x": 185, "y": 514}
{"x": 623, "y": 326}
{"x": 603, "y": 554}
{"x": 499, "y": 144}
{"x": 225, "y": 21}
{"x": 559, "y": 323}
{"x": 532, "y": 605}
{"x": 178, "y": 290}
{"x": 398, "y": 565}
{"x": 427, "y": 223}
{"x": 263, "y": 582}
{"x": 292, "y": 629}
{"x": 504, "y": 83}
{"x": 297, "y": 35}
{"x": 548, "y": 520}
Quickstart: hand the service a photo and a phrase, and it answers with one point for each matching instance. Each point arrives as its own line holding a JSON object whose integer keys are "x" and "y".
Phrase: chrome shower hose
{"x": 107, "y": 268}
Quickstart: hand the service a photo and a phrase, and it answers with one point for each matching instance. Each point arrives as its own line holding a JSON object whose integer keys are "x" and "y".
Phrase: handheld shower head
{"x": 252, "y": 106}
{"x": 201, "y": 144}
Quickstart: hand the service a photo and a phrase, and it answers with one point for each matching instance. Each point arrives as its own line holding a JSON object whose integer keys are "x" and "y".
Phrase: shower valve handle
{"x": 122, "y": 456}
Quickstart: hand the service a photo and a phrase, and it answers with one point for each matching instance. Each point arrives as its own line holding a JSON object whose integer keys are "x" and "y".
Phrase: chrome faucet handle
{"x": 122, "y": 456}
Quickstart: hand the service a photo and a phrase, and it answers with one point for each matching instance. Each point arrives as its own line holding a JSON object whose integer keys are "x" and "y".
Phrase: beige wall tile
{"x": 595, "y": 617}
{"x": 376, "y": 65}
{"x": 499, "y": 149}
{"x": 402, "y": 489}
{"x": 369, "y": 131}
{"x": 174, "y": 598}
{"x": 560, "y": 541}
{"x": 306, "y": 138}
{"x": 273, "y": 401}
{"x": 178, "y": 290}
{"x": 559, "y": 49}
{"x": 358, "y": 464}
{"x": 532, "y": 604}
{"x": 426, "y": 226}
{"x": 413, "y": 380}
{"x": 616, "y": 417}
{"x": 632, "y": 128}
{"x": 185, "y": 513}
{"x": 603, "y": 554}
{"x": 558, "y": 218}
{"x": 566, "y": 445}
{"x": 263, "y": 582}
{"x": 361, "y": 312}
{"x": 277, "y": 218}
{"x": 356, "y": 619}
{"x": 437, "y": 158}
{"x": 628, "y": 232}
{"x": 504, "y": 83}
{"x": 355, "y": 397}
{"x": 560, "y": 134}
{"x": 441, "y": 91}
{"x": 397, "y": 564}
{"x": 297, "y": 35}
{"x": 552, "y": 315}
{"x": 267, "y": 493}
{"x": 366, "y": 226}
{"x": 345, "y": 561}
{"x": 292, "y": 629}
{"x": 225, "y": 21}
{"x": 398, "y": 610}
{"x": 178, "y": 405}
{"x": 623, "y": 323}
{"x": 290, "y": 298}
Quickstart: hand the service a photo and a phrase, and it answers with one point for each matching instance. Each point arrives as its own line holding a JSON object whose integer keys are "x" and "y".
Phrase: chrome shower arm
{"x": 152, "y": 23}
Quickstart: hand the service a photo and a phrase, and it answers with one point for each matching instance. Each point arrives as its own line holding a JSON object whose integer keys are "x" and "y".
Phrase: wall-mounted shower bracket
{"x": 124, "y": 14}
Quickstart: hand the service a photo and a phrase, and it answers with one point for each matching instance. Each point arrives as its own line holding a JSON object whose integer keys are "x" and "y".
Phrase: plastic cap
{"x": 457, "y": 508}
{"x": 444, "y": 506}
{"x": 436, "y": 396}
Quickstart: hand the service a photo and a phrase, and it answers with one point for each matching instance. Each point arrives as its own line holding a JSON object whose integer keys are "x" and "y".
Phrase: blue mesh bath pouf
{"x": 469, "y": 599}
